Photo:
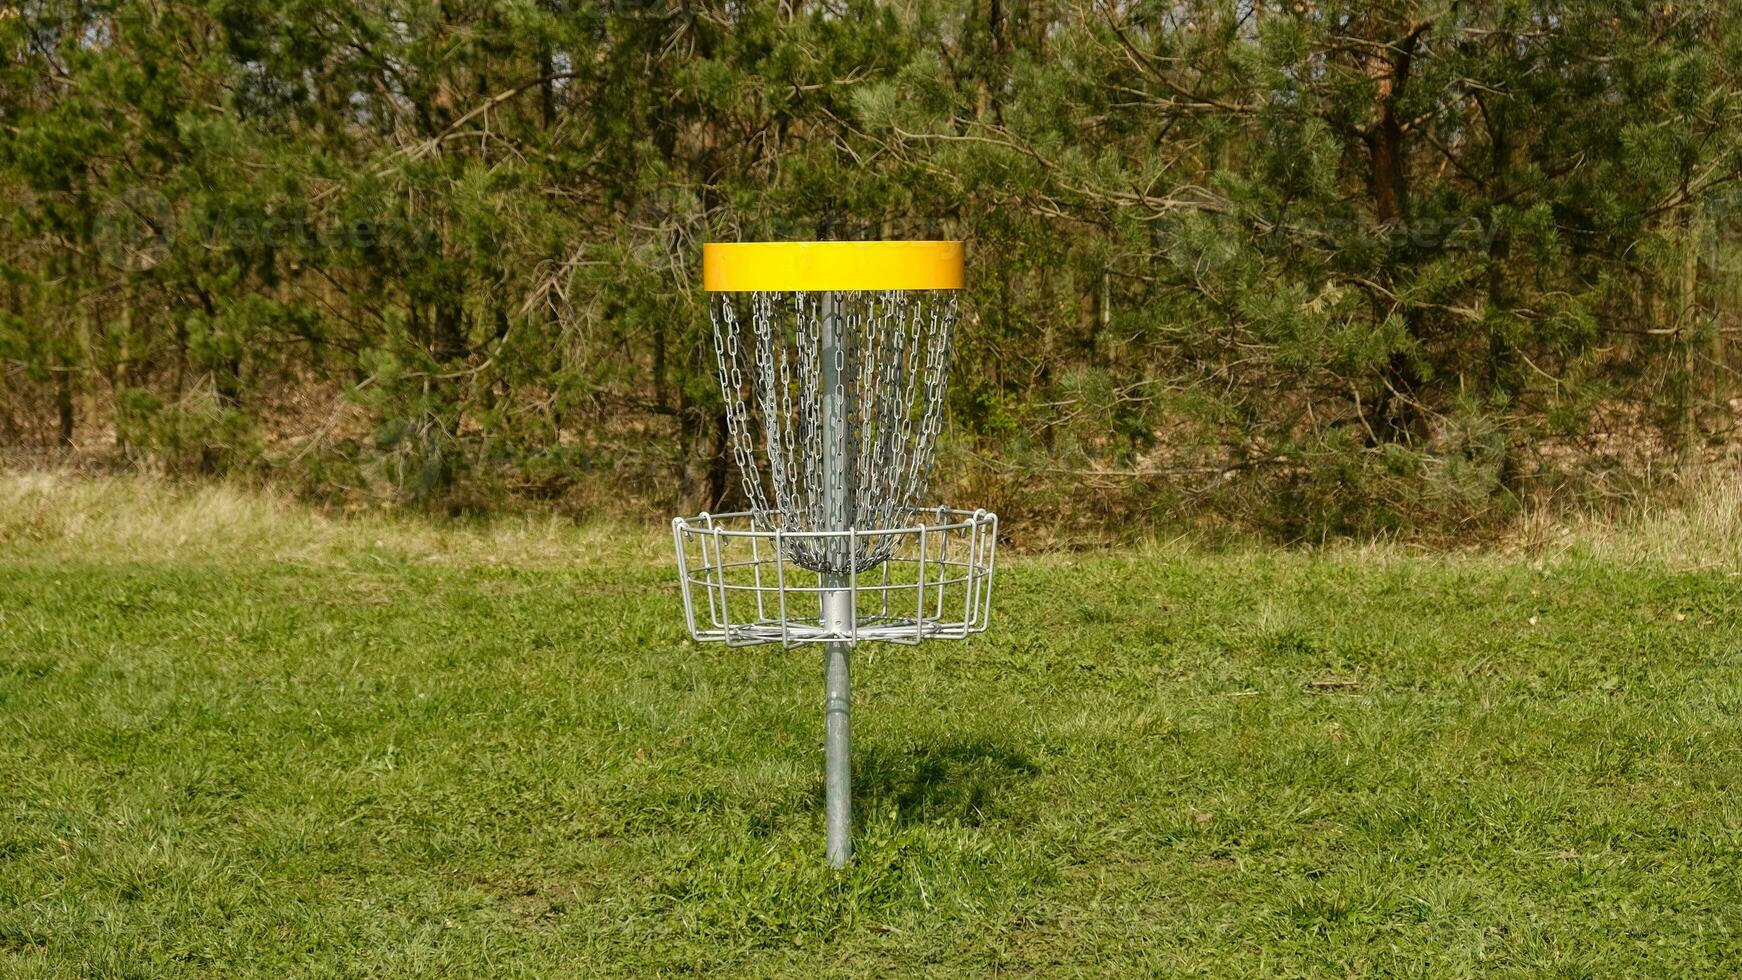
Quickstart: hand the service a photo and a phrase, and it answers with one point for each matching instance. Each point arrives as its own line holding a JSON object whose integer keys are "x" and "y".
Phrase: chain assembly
{"x": 877, "y": 404}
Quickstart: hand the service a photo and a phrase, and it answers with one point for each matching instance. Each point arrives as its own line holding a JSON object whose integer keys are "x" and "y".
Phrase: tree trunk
{"x": 1388, "y": 163}
{"x": 1687, "y": 331}
{"x": 63, "y": 402}
{"x": 719, "y": 465}
{"x": 120, "y": 378}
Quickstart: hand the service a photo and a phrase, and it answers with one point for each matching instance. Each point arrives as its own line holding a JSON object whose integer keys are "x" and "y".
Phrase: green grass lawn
{"x": 353, "y": 749}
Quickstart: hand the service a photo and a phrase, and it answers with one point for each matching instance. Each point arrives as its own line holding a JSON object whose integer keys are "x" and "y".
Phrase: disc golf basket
{"x": 833, "y": 359}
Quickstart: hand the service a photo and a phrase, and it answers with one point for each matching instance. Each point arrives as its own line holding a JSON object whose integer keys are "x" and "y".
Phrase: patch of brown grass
{"x": 1693, "y": 525}
{"x": 58, "y": 514}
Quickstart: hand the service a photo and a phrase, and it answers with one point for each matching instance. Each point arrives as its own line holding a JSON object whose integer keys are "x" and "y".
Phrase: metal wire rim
{"x": 941, "y": 595}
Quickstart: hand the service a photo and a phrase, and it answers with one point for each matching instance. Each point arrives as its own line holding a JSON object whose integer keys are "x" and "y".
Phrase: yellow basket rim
{"x": 814, "y": 266}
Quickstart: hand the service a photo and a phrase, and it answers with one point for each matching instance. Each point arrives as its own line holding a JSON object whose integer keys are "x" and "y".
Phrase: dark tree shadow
{"x": 961, "y": 781}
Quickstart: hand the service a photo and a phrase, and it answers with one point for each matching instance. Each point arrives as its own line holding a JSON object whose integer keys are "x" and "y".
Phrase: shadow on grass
{"x": 957, "y": 781}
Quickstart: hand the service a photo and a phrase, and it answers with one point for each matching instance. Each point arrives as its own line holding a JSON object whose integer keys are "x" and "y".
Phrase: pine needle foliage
{"x": 1316, "y": 268}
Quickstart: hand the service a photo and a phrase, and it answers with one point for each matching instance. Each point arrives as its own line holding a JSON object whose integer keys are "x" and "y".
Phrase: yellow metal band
{"x": 812, "y": 266}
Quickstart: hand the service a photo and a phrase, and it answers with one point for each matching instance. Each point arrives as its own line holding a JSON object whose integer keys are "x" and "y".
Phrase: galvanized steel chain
{"x": 881, "y": 414}
{"x": 729, "y": 360}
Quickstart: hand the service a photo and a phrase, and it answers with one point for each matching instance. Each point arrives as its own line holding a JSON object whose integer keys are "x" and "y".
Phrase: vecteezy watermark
{"x": 1718, "y": 217}
{"x": 253, "y": 231}
{"x": 140, "y": 228}
{"x": 681, "y": 212}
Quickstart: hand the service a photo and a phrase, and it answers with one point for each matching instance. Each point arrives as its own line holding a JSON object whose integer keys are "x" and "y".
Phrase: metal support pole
{"x": 837, "y": 599}
{"x": 837, "y": 740}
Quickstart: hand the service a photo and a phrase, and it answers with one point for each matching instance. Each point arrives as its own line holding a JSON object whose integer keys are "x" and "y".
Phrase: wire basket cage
{"x": 743, "y": 583}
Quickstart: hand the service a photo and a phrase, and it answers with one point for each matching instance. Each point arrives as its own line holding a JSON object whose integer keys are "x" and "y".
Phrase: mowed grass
{"x": 240, "y": 739}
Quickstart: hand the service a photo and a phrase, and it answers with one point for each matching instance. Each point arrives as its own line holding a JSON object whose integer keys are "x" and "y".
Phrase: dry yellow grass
{"x": 1695, "y": 526}
{"x": 58, "y": 514}
{"x": 52, "y": 514}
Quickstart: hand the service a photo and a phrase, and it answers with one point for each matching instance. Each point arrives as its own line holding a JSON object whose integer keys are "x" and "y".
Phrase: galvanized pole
{"x": 837, "y": 598}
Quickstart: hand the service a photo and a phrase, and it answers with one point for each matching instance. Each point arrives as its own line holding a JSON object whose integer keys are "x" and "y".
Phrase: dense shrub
{"x": 1317, "y": 268}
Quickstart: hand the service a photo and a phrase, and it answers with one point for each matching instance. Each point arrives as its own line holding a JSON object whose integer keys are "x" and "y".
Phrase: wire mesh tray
{"x": 742, "y": 586}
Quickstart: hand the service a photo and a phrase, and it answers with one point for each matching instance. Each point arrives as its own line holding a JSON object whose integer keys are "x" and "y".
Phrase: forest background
{"x": 1300, "y": 269}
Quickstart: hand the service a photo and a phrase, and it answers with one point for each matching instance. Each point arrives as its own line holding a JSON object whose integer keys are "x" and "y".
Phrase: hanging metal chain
{"x": 891, "y": 355}
{"x": 729, "y": 359}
